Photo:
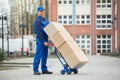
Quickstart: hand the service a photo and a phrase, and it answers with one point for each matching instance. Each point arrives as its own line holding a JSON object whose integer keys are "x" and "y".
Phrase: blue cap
{"x": 40, "y": 8}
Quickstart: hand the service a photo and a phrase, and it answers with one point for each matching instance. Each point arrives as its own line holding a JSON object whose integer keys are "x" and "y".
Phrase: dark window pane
{"x": 83, "y": 22}
{"x": 103, "y": 1}
{"x": 98, "y": 51}
{"x": 78, "y": 17}
{"x": 88, "y": 36}
{"x": 104, "y": 51}
{"x": 98, "y": 46}
{"x": 108, "y": 16}
{"x": 103, "y": 26}
{"x": 60, "y": 17}
{"x": 98, "y": 36}
{"x": 83, "y": 16}
{"x": 109, "y": 6}
{"x": 78, "y": 41}
{"x": 109, "y": 36}
{"x": 70, "y": 17}
{"x": 83, "y": 36}
{"x": 104, "y": 36}
{"x": 103, "y": 21}
{"x": 108, "y": 21}
{"x": 98, "y": 1}
{"x": 77, "y": 2}
{"x": 103, "y": 6}
{"x": 65, "y": 17}
{"x": 103, "y": 16}
{"x": 98, "y": 16}
{"x": 70, "y": 2}
{"x": 88, "y": 16}
{"x": 98, "y": 41}
{"x": 108, "y": 1}
{"x": 65, "y": 2}
{"x": 77, "y": 36}
{"x": 104, "y": 41}
{"x": 59, "y": 2}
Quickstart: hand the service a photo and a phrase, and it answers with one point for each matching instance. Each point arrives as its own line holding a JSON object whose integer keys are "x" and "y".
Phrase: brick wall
{"x": 118, "y": 25}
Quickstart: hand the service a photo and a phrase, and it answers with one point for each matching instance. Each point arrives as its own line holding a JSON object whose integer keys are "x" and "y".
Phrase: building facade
{"x": 90, "y": 23}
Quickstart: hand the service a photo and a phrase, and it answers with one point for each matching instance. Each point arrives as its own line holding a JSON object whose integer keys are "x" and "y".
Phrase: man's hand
{"x": 46, "y": 44}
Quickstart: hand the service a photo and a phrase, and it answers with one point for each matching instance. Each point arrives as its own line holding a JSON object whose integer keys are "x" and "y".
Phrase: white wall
{"x": 65, "y": 10}
{"x": 83, "y": 9}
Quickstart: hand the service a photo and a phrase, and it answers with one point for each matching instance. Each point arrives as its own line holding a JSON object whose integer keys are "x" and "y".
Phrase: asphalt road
{"x": 99, "y": 68}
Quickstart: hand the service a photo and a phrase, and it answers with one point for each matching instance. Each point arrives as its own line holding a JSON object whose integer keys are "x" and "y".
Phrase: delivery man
{"x": 41, "y": 43}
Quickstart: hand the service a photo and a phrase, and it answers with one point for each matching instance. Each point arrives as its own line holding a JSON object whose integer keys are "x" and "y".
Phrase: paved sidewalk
{"x": 99, "y": 68}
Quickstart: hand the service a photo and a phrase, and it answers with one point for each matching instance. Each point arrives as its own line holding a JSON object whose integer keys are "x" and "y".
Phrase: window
{"x": 104, "y": 4}
{"x": 98, "y": 1}
{"x": 104, "y": 43}
{"x": 103, "y": 26}
{"x": 103, "y": 1}
{"x": 84, "y": 42}
{"x": 103, "y": 16}
{"x": 65, "y": 22}
{"x": 82, "y": 22}
{"x": 78, "y": 22}
{"x": 59, "y": 2}
{"x": 77, "y": 36}
{"x": 83, "y": 19}
{"x": 60, "y": 17}
{"x": 88, "y": 21}
{"x": 60, "y": 22}
{"x": 88, "y": 17}
{"x": 98, "y": 16}
{"x": 108, "y": 16}
{"x": 70, "y": 22}
{"x": 77, "y": 41}
{"x": 98, "y": 21}
{"x": 70, "y": 17}
{"x": 108, "y": 1}
{"x": 98, "y": 41}
{"x": 88, "y": 41}
{"x": 88, "y": 1}
{"x": 78, "y": 17}
{"x": 65, "y": 2}
{"x": 65, "y": 19}
{"x": 82, "y": 1}
{"x": 70, "y": 1}
{"x": 103, "y": 22}
{"x": 109, "y": 6}
{"x": 77, "y": 1}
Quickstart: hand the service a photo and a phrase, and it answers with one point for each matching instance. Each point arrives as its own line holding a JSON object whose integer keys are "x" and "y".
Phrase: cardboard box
{"x": 73, "y": 55}
{"x": 53, "y": 28}
{"x": 60, "y": 38}
{"x": 71, "y": 52}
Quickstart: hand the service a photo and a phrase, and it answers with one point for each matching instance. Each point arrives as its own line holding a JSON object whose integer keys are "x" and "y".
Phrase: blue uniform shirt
{"x": 39, "y": 24}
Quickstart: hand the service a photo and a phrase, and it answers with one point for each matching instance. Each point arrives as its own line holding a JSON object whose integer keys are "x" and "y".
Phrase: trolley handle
{"x": 50, "y": 44}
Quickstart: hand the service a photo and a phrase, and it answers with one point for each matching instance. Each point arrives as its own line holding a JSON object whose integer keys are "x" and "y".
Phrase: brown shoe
{"x": 37, "y": 73}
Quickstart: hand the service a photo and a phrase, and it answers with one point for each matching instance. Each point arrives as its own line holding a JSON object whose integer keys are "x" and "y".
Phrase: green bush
{"x": 1, "y": 55}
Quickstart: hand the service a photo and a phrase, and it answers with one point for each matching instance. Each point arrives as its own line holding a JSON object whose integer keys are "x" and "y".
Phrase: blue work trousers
{"x": 40, "y": 56}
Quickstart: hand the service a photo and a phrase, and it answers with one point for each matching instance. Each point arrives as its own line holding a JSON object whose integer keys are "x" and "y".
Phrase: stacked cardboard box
{"x": 71, "y": 52}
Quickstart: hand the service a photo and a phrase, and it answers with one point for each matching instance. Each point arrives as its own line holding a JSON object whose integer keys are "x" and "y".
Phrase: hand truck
{"x": 66, "y": 67}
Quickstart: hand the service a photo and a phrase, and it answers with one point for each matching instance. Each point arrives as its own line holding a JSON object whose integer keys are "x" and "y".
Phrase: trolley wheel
{"x": 75, "y": 71}
{"x": 69, "y": 71}
{"x": 62, "y": 72}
